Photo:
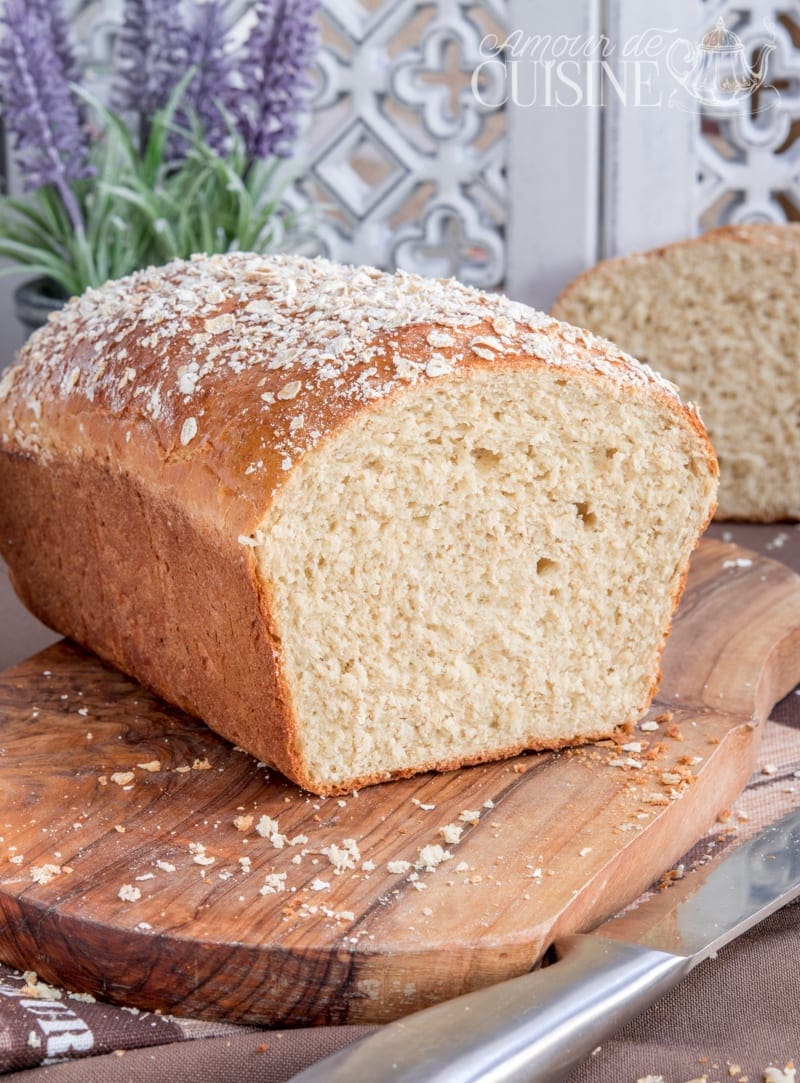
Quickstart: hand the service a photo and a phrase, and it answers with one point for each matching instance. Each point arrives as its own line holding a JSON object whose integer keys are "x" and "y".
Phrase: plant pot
{"x": 35, "y": 300}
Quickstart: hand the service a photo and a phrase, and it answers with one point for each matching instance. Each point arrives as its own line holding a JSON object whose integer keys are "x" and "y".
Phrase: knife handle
{"x": 532, "y": 1028}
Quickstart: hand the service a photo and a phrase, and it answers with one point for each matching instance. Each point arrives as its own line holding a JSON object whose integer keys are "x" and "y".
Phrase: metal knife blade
{"x": 714, "y": 905}
{"x": 538, "y": 1026}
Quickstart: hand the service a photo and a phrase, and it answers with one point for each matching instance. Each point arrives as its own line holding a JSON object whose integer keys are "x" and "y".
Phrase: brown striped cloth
{"x": 729, "y": 1020}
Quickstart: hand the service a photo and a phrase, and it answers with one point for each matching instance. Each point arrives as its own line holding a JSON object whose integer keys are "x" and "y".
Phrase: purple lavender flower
{"x": 52, "y": 15}
{"x": 151, "y": 58}
{"x": 207, "y": 51}
{"x": 40, "y": 112}
{"x": 273, "y": 75}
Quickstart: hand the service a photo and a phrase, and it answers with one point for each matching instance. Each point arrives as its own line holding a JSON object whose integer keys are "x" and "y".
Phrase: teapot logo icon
{"x": 717, "y": 73}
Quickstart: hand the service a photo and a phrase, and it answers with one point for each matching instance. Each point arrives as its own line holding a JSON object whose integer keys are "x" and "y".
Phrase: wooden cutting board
{"x": 131, "y": 868}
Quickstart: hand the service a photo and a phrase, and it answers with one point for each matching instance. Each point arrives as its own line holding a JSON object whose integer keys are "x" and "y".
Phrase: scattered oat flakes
{"x": 43, "y": 874}
{"x": 273, "y": 883}
{"x": 775, "y": 1075}
{"x": 438, "y": 365}
{"x": 440, "y": 339}
{"x": 129, "y": 893}
{"x": 342, "y": 857}
{"x": 152, "y": 766}
{"x": 398, "y": 868}
{"x": 39, "y": 990}
{"x": 123, "y": 778}
{"x": 243, "y": 823}
{"x": 267, "y": 827}
{"x": 215, "y": 324}
{"x": 451, "y": 833}
{"x": 432, "y": 855}
{"x": 188, "y": 431}
{"x": 290, "y": 390}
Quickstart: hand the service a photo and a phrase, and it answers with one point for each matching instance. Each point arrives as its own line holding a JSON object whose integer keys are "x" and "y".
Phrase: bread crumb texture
{"x": 504, "y": 582}
{"x": 718, "y": 315}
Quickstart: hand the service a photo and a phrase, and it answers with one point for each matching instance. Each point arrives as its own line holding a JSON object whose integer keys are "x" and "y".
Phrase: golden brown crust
{"x": 130, "y": 482}
{"x": 783, "y": 235}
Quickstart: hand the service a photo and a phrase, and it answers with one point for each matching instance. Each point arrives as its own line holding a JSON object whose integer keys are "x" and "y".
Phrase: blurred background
{"x": 514, "y": 142}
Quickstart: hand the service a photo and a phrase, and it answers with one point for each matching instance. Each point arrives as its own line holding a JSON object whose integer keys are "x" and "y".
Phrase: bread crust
{"x": 782, "y": 236}
{"x": 136, "y": 542}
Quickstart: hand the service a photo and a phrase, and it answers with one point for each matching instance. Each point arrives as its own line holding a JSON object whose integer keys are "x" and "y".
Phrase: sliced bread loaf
{"x": 362, "y": 524}
{"x": 718, "y": 315}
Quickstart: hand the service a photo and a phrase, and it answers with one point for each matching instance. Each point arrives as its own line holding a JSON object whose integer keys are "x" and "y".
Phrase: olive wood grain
{"x": 563, "y": 840}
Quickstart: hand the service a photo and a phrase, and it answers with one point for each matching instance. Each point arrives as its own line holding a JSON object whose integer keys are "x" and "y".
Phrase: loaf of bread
{"x": 362, "y": 524}
{"x": 718, "y": 315}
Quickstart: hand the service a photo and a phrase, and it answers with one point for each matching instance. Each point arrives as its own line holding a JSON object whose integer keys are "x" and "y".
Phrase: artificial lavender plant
{"x": 41, "y": 113}
{"x": 152, "y": 54}
{"x": 51, "y": 13}
{"x": 210, "y": 57}
{"x": 184, "y": 159}
{"x": 272, "y": 76}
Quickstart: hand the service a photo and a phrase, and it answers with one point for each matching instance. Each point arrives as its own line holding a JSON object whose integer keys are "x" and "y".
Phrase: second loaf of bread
{"x": 362, "y": 524}
{"x": 717, "y": 314}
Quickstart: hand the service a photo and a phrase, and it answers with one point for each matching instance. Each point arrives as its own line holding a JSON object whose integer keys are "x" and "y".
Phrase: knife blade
{"x": 538, "y": 1026}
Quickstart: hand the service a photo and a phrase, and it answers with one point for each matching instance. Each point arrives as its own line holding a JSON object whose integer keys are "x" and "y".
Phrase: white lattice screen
{"x": 749, "y": 165}
{"x": 409, "y": 163}
{"x": 414, "y": 171}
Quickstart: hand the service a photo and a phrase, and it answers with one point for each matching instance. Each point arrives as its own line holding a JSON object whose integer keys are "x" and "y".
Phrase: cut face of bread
{"x": 477, "y": 567}
{"x": 718, "y": 316}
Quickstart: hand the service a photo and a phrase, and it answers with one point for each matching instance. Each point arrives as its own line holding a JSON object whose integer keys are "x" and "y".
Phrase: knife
{"x": 535, "y": 1028}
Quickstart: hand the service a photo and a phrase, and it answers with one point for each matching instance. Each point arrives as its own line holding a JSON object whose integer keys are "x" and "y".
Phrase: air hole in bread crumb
{"x": 485, "y": 459}
{"x": 544, "y": 566}
{"x": 589, "y": 518}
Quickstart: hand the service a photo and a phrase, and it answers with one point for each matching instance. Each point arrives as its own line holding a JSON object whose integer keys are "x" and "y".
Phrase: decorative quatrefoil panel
{"x": 749, "y": 163}
{"x": 407, "y": 162}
